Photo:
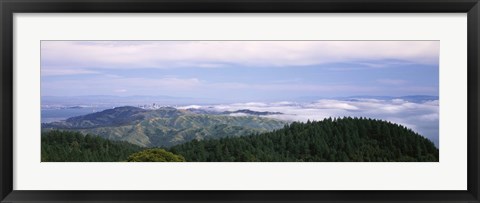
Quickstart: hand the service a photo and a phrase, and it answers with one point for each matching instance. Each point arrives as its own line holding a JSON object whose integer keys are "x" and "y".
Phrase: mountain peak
{"x": 109, "y": 117}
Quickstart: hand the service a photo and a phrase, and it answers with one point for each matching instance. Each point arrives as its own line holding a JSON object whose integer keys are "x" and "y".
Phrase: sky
{"x": 240, "y": 71}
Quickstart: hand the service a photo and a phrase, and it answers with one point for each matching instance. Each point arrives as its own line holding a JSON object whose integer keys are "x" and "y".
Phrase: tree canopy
{"x": 331, "y": 140}
{"x": 66, "y": 146}
{"x": 155, "y": 155}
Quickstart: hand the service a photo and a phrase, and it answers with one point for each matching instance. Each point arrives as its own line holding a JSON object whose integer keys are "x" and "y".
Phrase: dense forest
{"x": 64, "y": 146}
{"x": 330, "y": 140}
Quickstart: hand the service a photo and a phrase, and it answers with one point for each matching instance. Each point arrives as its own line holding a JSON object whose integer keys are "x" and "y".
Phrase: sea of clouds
{"x": 420, "y": 116}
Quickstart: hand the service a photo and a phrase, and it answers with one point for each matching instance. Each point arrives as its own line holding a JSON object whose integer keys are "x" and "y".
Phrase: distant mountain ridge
{"x": 409, "y": 98}
{"x": 166, "y": 126}
{"x": 241, "y": 111}
{"x": 109, "y": 117}
{"x": 250, "y": 112}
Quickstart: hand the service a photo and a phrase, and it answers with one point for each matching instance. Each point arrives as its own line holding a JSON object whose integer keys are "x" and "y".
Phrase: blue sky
{"x": 240, "y": 70}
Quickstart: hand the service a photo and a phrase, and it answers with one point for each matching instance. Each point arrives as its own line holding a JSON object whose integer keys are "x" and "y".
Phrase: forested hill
{"x": 64, "y": 146}
{"x": 330, "y": 140}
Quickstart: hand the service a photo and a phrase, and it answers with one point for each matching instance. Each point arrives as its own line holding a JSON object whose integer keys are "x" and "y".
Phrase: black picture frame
{"x": 9, "y": 7}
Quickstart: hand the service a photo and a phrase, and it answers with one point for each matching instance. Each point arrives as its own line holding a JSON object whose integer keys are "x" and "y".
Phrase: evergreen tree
{"x": 155, "y": 155}
{"x": 338, "y": 139}
{"x": 65, "y": 146}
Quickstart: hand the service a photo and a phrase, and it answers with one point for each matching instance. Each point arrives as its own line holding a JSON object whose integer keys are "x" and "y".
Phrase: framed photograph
{"x": 221, "y": 101}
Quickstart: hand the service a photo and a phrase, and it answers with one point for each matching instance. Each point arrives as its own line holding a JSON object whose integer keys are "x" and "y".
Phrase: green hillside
{"x": 330, "y": 140}
{"x": 163, "y": 127}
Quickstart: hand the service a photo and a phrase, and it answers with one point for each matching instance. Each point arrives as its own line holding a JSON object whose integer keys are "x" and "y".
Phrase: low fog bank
{"x": 421, "y": 116}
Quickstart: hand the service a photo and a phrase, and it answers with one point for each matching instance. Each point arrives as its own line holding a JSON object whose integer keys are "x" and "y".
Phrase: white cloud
{"x": 429, "y": 117}
{"x": 332, "y": 104}
{"x": 190, "y": 107}
{"x": 214, "y": 54}
{"x": 421, "y": 117}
